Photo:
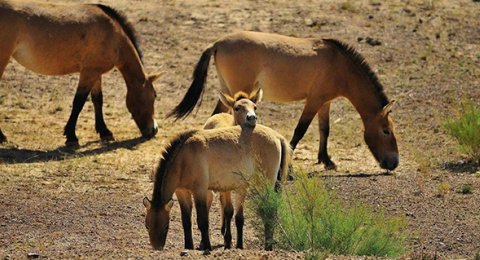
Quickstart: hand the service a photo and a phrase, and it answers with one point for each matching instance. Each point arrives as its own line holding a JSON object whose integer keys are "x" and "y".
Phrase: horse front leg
{"x": 324, "y": 130}
{"x": 185, "y": 201}
{"x": 97, "y": 99}
{"x": 227, "y": 215}
{"x": 85, "y": 84}
{"x": 3, "y": 138}
{"x": 309, "y": 111}
{"x": 239, "y": 222}
{"x": 201, "y": 205}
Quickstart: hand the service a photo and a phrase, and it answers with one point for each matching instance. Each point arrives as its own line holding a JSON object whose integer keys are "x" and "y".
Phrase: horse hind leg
{"x": 220, "y": 107}
{"x": 97, "y": 99}
{"x": 7, "y": 50}
{"x": 85, "y": 85}
{"x": 324, "y": 130}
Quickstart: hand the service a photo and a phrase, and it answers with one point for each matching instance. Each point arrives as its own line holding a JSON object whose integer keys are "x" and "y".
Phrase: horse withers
{"x": 222, "y": 159}
{"x": 59, "y": 39}
{"x": 292, "y": 69}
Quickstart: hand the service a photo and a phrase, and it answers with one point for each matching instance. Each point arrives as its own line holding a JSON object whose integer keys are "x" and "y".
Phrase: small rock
{"x": 373, "y": 42}
{"x": 32, "y": 255}
{"x": 370, "y": 17}
{"x": 359, "y": 39}
{"x": 309, "y": 22}
{"x": 184, "y": 253}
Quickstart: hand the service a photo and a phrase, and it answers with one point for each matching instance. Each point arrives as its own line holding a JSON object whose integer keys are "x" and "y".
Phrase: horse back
{"x": 223, "y": 159}
{"x": 59, "y": 39}
{"x": 286, "y": 68}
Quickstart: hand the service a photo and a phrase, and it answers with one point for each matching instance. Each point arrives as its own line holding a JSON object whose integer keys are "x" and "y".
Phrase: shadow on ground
{"x": 462, "y": 166}
{"x": 19, "y": 155}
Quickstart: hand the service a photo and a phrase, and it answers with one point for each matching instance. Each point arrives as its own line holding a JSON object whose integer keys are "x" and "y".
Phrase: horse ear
{"x": 227, "y": 100}
{"x": 169, "y": 205}
{"x": 387, "y": 109}
{"x": 147, "y": 203}
{"x": 257, "y": 96}
{"x": 154, "y": 77}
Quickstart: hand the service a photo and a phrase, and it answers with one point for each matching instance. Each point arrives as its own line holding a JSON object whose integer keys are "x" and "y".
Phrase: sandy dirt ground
{"x": 88, "y": 203}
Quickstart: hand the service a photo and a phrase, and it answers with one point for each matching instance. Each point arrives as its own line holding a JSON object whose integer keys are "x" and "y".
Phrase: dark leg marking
{"x": 239, "y": 221}
{"x": 100, "y": 126}
{"x": 69, "y": 131}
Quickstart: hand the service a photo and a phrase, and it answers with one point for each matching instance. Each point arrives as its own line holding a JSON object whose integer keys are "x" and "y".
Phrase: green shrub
{"x": 466, "y": 129}
{"x": 265, "y": 203}
{"x": 310, "y": 219}
{"x": 466, "y": 189}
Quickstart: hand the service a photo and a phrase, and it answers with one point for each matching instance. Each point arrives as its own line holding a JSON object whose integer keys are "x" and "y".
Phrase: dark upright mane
{"x": 362, "y": 64}
{"x": 125, "y": 24}
{"x": 167, "y": 156}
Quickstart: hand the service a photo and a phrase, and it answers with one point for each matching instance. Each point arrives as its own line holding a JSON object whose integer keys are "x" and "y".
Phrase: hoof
{"x": 72, "y": 144}
{"x": 107, "y": 138}
{"x": 331, "y": 166}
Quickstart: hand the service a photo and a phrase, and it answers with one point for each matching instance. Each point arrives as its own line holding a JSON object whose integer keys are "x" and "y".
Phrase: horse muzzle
{"x": 151, "y": 131}
{"x": 390, "y": 162}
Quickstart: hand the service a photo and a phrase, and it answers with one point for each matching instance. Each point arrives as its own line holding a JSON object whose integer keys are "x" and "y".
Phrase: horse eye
{"x": 255, "y": 108}
{"x": 386, "y": 132}
{"x": 237, "y": 108}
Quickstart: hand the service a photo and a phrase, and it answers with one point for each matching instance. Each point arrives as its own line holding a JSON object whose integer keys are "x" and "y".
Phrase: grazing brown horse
{"x": 58, "y": 39}
{"x": 222, "y": 159}
{"x": 291, "y": 69}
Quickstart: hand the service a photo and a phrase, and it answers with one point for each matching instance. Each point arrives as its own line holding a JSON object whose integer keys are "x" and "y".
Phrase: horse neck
{"x": 163, "y": 191}
{"x": 363, "y": 97}
{"x": 246, "y": 135}
{"x": 131, "y": 67}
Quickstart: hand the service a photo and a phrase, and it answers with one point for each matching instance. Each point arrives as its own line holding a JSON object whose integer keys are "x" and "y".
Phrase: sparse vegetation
{"x": 466, "y": 189}
{"x": 443, "y": 189}
{"x": 466, "y": 129}
{"x": 311, "y": 219}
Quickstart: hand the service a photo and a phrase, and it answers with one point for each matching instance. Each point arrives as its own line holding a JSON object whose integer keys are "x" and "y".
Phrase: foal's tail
{"x": 195, "y": 91}
{"x": 284, "y": 163}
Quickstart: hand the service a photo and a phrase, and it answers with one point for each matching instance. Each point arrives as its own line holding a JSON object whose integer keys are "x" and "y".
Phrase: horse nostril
{"x": 390, "y": 163}
{"x": 251, "y": 117}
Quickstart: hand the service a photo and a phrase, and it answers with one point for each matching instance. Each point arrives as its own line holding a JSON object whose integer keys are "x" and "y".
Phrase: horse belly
{"x": 44, "y": 60}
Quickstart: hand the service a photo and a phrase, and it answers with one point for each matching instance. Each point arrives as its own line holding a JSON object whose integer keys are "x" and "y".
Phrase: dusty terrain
{"x": 88, "y": 203}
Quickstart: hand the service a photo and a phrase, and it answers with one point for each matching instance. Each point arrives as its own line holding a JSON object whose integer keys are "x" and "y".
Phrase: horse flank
{"x": 362, "y": 65}
{"x": 126, "y": 26}
{"x": 168, "y": 155}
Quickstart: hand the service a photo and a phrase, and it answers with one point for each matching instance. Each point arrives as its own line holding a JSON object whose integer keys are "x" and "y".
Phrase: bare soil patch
{"x": 88, "y": 203}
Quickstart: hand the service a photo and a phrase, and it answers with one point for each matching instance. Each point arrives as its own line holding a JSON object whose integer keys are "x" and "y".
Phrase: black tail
{"x": 193, "y": 94}
{"x": 125, "y": 24}
{"x": 284, "y": 161}
{"x": 167, "y": 157}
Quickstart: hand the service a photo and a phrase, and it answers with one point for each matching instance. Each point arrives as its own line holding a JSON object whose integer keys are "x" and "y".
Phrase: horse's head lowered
{"x": 157, "y": 222}
{"x": 244, "y": 107}
{"x": 381, "y": 140}
{"x": 140, "y": 103}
